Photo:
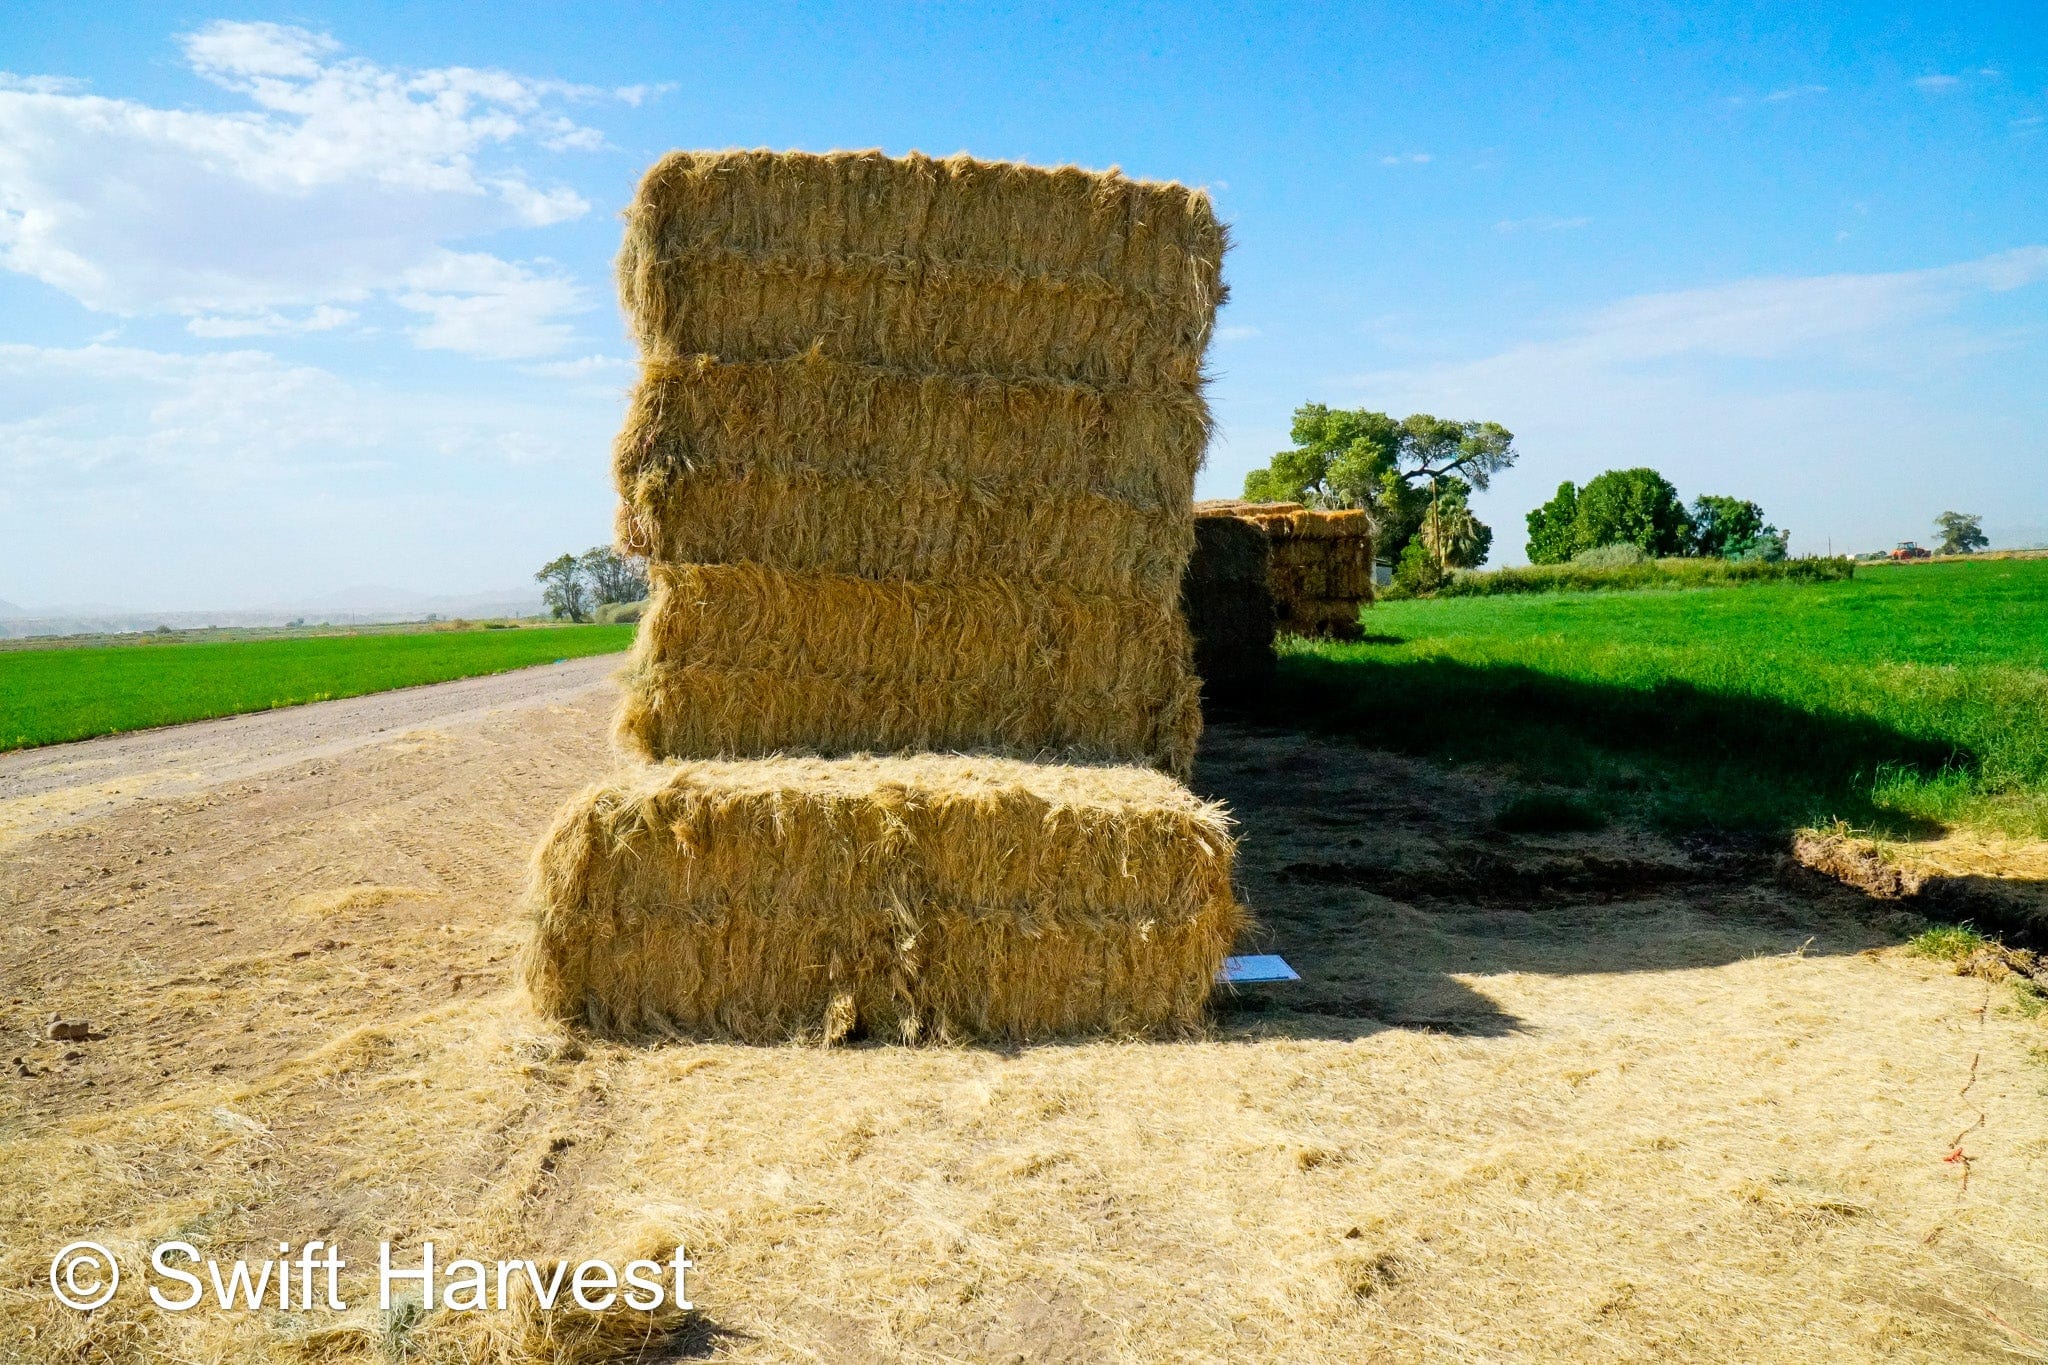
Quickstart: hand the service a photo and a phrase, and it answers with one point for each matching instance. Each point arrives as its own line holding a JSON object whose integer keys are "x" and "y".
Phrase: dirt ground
{"x": 1586, "y": 1097}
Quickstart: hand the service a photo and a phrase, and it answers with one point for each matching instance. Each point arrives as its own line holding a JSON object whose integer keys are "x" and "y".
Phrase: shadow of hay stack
{"x": 912, "y": 454}
{"x": 1227, "y": 596}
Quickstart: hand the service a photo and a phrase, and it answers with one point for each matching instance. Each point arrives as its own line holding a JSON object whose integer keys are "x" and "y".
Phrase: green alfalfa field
{"x": 1907, "y": 701}
{"x": 58, "y": 693}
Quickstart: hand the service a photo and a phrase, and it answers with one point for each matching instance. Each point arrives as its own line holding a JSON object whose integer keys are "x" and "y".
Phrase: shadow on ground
{"x": 1673, "y": 756}
{"x": 1385, "y": 879}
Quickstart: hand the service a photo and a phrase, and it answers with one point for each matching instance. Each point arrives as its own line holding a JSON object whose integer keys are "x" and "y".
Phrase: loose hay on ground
{"x": 941, "y": 896}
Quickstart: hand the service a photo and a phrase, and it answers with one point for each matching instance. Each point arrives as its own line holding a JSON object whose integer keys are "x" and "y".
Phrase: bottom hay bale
{"x": 930, "y": 896}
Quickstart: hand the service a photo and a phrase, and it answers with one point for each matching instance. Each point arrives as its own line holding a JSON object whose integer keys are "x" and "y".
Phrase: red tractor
{"x": 1907, "y": 549}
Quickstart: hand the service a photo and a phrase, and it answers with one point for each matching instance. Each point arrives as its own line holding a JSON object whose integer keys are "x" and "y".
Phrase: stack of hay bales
{"x": 912, "y": 455}
{"x": 1321, "y": 566}
{"x": 1227, "y": 597}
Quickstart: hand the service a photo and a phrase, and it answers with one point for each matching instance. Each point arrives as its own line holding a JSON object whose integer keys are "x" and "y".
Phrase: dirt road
{"x": 1586, "y": 1097}
{"x": 63, "y": 784}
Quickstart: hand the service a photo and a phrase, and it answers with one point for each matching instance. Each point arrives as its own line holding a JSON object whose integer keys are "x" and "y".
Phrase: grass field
{"x": 1908, "y": 700}
{"x": 48, "y": 696}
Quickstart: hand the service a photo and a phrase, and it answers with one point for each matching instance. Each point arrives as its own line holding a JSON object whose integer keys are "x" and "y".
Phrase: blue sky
{"x": 295, "y": 300}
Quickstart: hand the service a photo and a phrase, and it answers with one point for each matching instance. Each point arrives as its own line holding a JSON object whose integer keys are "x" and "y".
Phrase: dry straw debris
{"x": 926, "y": 896}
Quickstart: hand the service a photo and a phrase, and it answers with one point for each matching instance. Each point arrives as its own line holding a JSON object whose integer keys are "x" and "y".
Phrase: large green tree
{"x": 1723, "y": 524}
{"x": 612, "y": 577}
{"x": 1554, "y": 527}
{"x": 1636, "y": 506}
{"x": 1962, "y": 533}
{"x": 1398, "y": 470}
{"x": 563, "y": 589}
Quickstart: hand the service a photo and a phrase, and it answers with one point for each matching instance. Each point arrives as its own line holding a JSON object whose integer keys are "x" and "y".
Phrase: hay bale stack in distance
{"x": 1227, "y": 598}
{"x": 960, "y": 380}
{"x": 913, "y": 897}
{"x": 1321, "y": 567}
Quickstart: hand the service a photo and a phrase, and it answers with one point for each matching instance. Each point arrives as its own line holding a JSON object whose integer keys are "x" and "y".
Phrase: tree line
{"x": 1417, "y": 474}
{"x": 1641, "y": 508}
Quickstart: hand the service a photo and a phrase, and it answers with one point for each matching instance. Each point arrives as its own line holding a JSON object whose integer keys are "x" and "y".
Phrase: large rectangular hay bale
{"x": 921, "y": 897}
{"x": 809, "y": 463}
{"x": 733, "y": 659}
{"x": 954, "y": 265}
{"x": 1321, "y": 563}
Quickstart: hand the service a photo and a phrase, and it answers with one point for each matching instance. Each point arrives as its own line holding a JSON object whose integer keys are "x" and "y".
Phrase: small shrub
{"x": 1417, "y": 574}
{"x": 1947, "y": 942}
{"x": 1622, "y": 556}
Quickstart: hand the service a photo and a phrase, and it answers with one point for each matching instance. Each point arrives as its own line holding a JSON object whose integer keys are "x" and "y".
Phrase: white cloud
{"x": 95, "y": 418}
{"x": 1406, "y": 159}
{"x": 585, "y": 368}
{"x": 1770, "y": 318}
{"x": 493, "y": 309}
{"x": 151, "y": 479}
{"x": 637, "y": 95}
{"x": 325, "y": 318}
{"x": 1779, "y": 96}
{"x": 340, "y": 178}
{"x": 1507, "y": 225}
{"x": 40, "y": 85}
{"x": 1936, "y": 83}
{"x": 540, "y": 208}
{"x": 1227, "y": 335}
{"x": 102, "y": 415}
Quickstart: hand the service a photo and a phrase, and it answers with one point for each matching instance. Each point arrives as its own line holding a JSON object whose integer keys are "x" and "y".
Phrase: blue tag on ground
{"x": 1256, "y": 967}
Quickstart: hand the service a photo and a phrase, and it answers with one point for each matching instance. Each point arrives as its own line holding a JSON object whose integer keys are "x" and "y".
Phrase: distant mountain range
{"x": 364, "y": 605}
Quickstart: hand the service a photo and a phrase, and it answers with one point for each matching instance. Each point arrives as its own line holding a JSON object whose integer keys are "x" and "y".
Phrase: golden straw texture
{"x": 923, "y": 897}
{"x": 702, "y": 431}
{"x": 1320, "y": 569}
{"x": 942, "y": 405}
{"x": 737, "y": 659}
{"x": 953, "y": 265}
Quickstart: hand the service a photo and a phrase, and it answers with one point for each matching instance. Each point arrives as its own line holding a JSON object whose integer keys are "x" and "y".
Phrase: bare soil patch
{"x": 1577, "y": 1096}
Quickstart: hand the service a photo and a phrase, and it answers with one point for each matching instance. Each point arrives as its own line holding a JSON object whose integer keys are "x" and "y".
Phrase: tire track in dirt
{"x": 62, "y": 785}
